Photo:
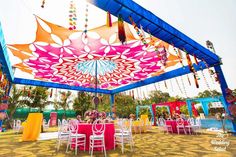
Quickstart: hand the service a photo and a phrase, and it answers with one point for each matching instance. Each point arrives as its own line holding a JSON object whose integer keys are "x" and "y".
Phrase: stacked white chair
{"x": 125, "y": 135}
{"x": 180, "y": 125}
{"x": 97, "y": 139}
{"x": 141, "y": 125}
{"x": 46, "y": 124}
{"x": 198, "y": 125}
{"x": 63, "y": 133}
{"x": 164, "y": 126}
{"x": 191, "y": 125}
{"x": 75, "y": 138}
{"x": 17, "y": 126}
{"x": 148, "y": 124}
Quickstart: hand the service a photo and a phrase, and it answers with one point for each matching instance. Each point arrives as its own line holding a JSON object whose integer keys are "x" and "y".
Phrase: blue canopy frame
{"x": 150, "y": 22}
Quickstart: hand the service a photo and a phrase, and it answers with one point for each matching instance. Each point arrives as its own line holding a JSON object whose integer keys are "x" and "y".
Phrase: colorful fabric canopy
{"x": 68, "y": 57}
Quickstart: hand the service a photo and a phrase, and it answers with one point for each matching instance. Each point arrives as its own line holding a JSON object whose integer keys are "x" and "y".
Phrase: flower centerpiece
{"x": 92, "y": 115}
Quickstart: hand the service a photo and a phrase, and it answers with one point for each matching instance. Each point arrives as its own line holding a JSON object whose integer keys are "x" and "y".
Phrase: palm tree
{"x": 15, "y": 100}
{"x": 64, "y": 101}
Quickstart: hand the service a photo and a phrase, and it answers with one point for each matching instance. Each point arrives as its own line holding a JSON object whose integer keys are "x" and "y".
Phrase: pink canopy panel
{"x": 68, "y": 57}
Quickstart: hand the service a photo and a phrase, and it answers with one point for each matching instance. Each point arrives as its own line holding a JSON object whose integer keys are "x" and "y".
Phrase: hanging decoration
{"x": 109, "y": 22}
{"x": 195, "y": 59}
{"x": 162, "y": 53}
{"x": 139, "y": 33}
{"x": 72, "y": 16}
{"x": 155, "y": 87}
{"x": 171, "y": 85}
{"x": 188, "y": 80}
{"x": 178, "y": 85}
{"x": 184, "y": 89}
{"x": 121, "y": 30}
{"x": 179, "y": 55}
{"x": 51, "y": 93}
{"x": 86, "y": 22}
{"x": 213, "y": 74}
{"x": 190, "y": 65}
{"x": 165, "y": 84}
{"x": 43, "y": 3}
{"x": 205, "y": 80}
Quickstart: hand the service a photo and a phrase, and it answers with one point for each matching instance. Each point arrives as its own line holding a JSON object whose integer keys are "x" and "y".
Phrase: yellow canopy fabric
{"x": 32, "y": 128}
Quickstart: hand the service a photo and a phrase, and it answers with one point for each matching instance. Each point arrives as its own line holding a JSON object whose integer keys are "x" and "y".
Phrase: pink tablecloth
{"x": 174, "y": 125}
{"x": 109, "y": 135}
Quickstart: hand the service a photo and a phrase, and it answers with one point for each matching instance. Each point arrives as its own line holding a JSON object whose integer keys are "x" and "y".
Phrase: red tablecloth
{"x": 109, "y": 135}
{"x": 174, "y": 125}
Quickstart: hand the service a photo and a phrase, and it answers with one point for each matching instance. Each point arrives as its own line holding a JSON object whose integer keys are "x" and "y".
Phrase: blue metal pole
{"x": 189, "y": 105}
{"x": 223, "y": 85}
{"x": 112, "y": 100}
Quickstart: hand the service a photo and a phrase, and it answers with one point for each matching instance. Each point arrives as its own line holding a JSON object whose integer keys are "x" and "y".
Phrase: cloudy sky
{"x": 201, "y": 20}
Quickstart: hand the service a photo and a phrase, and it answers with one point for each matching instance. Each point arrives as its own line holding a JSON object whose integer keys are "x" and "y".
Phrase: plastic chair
{"x": 180, "y": 125}
{"x": 97, "y": 139}
{"x": 125, "y": 136}
{"x": 164, "y": 126}
{"x": 74, "y": 137}
{"x": 63, "y": 134}
{"x": 46, "y": 124}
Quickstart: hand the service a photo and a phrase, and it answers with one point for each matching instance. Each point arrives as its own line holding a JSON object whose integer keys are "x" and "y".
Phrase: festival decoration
{"x": 178, "y": 85}
{"x": 179, "y": 55}
{"x": 139, "y": 33}
{"x": 188, "y": 80}
{"x": 231, "y": 99}
{"x": 86, "y": 22}
{"x": 190, "y": 65}
{"x": 109, "y": 22}
{"x": 165, "y": 84}
{"x": 121, "y": 30}
{"x": 3, "y": 106}
{"x": 195, "y": 59}
{"x": 51, "y": 93}
{"x": 72, "y": 16}
{"x": 73, "y": 63}
{"x": 184, "y": 89}
{"x": 43, "y": 3}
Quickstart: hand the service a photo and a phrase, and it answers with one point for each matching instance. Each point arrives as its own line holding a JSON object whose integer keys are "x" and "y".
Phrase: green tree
{"x": 158, "y": 96}
{"x": 36, "y": 97}
{"x": 14, "y": 101}
{"x": 82, "y": 103}
{"x": 208, "y": 93}
{"x": 64, "y": 100}
{"x": 125, "y": 105}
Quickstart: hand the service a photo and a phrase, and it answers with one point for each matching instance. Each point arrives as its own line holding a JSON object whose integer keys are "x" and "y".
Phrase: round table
{"x": 86, "y": 129}
{"x": 173, "y": 123}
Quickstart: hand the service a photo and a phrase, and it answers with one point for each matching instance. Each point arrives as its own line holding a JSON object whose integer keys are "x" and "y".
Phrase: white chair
{"x": 63, "y": 134}
{"x": 17, "y": 126}
{"x": 180, "y": 125}
{"x": 140, "y": 125}
{"x": 191, "y": 126}
{"x": 75, "y": 138}
{"x": 164, "y": 126}
{"x": 198, "y": 125}
{"x": 125, "y": 136}
{"x": 46, "y": 124}
{"x": 148, "y": 124}
{"x": 97, "y": 139}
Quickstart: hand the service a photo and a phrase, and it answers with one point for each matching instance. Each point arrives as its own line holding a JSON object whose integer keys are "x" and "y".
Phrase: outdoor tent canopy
{"x": 129, "y": 54}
